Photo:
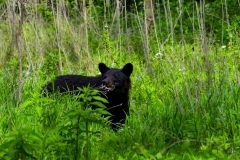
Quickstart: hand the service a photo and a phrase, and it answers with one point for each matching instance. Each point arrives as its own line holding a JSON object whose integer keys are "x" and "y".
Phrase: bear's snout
{"x": 105, "y": 82}
{"x": 108, "y": 84}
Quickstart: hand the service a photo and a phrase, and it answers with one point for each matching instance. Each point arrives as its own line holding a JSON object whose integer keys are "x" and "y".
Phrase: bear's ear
{"x": 102, "y": 68}
{"x": 127, "y": 69}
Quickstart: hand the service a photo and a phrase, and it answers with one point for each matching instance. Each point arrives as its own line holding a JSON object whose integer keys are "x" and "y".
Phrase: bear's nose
{"x": 104, "y": 82}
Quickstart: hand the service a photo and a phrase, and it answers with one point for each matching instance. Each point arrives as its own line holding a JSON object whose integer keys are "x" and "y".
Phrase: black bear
{"x": 113, "y": 83}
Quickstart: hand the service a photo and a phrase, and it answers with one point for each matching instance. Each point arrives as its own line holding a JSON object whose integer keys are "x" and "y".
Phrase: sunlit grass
{"x": 185, "y": 107}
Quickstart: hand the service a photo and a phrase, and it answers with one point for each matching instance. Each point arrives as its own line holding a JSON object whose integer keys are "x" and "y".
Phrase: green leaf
{"x": 120, "y": 158}
{"x": 102, "y": 111}
{"x": 39, "y": 111}
{"x": 98, "y": 104}
{"x": 159, "y": 155}
{"x": 46, "y": 99}
{"x": 25, "y": 104}
{"x": 100, "y": 99}
{"x": 185, "y": 146}
{"x": 178, "y": 81}
{"x": 88, "y": 118}
{"x": 94, "y": 92}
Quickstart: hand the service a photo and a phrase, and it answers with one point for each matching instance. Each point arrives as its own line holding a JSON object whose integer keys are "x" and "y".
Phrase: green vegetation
{"x": 185, "y": 84}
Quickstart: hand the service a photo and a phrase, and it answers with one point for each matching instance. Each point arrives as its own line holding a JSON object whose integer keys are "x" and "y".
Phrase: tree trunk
{"x": 20, "y": 47}
{"x": 148, "y": 22}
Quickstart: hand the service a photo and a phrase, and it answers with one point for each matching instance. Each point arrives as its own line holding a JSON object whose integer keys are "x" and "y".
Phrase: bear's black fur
{"x": 114, "y": 82}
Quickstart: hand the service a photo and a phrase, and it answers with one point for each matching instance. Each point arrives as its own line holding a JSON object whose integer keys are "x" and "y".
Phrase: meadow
{"x": 184, "y": 99}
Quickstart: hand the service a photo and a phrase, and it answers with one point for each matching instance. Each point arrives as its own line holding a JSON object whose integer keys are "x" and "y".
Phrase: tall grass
{"x": 184, "y": 96}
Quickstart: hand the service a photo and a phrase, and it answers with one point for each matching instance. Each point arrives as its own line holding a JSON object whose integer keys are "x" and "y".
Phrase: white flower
{"x": 158, "y": 55}
{"x": 223, "y": 47}
{"x": 182, "y": 69}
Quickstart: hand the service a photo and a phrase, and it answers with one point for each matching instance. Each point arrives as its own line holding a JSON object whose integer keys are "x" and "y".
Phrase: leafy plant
{"x": 48, "y": 129}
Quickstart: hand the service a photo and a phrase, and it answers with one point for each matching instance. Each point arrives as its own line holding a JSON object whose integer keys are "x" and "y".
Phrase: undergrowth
{"x": 184, "y": 100}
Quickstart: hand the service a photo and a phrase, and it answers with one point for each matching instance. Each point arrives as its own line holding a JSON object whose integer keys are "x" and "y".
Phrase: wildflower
{"x": 223, "y": 47}
{"x": 182, "y": 69}
{"x": 158, "y": 55}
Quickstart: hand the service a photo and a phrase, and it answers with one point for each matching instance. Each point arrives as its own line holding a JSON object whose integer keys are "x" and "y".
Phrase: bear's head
{"x": 115, "y": 79}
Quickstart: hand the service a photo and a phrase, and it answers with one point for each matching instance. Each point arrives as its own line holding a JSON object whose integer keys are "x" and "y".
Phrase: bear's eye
{"x": 115, "y": 78}
{"x": 104, "y": 77}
